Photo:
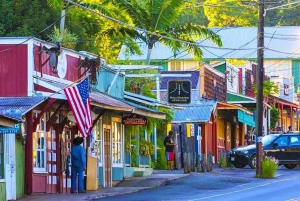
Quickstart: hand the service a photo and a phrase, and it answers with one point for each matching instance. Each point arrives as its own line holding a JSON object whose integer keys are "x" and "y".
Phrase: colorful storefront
{"x": 50, "y": 127}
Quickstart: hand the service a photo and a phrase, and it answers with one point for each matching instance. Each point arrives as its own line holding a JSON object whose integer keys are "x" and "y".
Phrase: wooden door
{"x": 67, "y": 136}
{"x": 51, "y": 162}
{"x": 107, "y": 157}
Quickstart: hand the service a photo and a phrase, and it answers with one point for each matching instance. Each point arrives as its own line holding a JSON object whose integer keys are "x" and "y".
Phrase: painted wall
{"x": 13, "y": 70}
{"x": 117, "y": 174}
{"x": 105, "y": 80}
{"x": 20, "y": 168}
{"x": 2, "y": 191}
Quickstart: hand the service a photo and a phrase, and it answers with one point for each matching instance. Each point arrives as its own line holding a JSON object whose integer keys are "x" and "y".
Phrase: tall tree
{"x": 156, "y": 22}
{"x": 26, "y": 18}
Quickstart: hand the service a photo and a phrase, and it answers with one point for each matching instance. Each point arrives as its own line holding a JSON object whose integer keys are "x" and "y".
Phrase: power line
{"x": 150, "y": 32}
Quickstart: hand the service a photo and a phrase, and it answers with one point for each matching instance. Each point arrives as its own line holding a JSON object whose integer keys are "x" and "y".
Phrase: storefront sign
{"x": 134, "y": 119}
{"x": 179, "y": 92}
{"x": 15, "y": 130}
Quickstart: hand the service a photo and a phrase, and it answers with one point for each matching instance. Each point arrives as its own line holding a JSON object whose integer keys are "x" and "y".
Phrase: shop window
{"x": 1, "y": 157}
{"x": 98, "y": 143}
{"x": 116, "y": 141}
{"x": 39, "y": 145}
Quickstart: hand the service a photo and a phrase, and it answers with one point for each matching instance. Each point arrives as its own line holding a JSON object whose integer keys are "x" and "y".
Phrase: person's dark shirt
{"x": 169, "y": 148}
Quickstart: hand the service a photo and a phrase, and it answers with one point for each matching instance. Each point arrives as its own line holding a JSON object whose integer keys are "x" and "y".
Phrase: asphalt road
{"x": 226, "y": 185}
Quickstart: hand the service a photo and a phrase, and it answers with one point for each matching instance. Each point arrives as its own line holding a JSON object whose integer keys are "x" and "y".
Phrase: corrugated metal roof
{"x": 22, "y": 104}
{"x": 105, "y": 100}
{"x": 194, "y": 78}
{"x": 195, "y": 114}
{"x": 235, "y": 38}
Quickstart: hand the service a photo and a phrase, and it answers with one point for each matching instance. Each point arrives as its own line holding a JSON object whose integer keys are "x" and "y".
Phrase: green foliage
{"x": 161, "y": 163}
{"x": 274, "y": 115}
{"x": 269, "y": 87}
{"x": 26, "y": 18}
{"x": 68, "y": 39}
{"x": 160, "y": 17}
{"x": 146, "y": 148}
{"x": 222, "y": 162}
{"x": 268, "y": 167}
{"x": 230, "y": 14}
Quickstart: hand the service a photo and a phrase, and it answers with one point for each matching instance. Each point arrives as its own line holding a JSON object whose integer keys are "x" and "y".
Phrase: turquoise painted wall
{"x": 2, "y": 192}
{"x": 117, "y": 174}
{"x": 100, "y": 177}
{"x": 104, "y": 81}
{"x": 20, "y": 168}
{"x": 296, "y": 73}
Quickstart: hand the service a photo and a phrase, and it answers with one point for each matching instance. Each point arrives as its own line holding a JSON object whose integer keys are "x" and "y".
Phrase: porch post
{"x": 28, "y": 154}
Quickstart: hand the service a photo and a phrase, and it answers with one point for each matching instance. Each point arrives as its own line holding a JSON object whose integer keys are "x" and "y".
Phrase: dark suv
{"x": 284, "y": 147}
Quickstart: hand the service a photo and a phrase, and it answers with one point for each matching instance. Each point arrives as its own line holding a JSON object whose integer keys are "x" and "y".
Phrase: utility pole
{"x": 259, "y": 82}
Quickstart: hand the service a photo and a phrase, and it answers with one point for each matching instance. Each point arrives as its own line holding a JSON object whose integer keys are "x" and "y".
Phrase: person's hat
{"x": 78, "y": 140}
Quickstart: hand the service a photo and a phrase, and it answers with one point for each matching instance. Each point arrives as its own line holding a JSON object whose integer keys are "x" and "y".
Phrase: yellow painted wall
{"x": 188, "y": 130}
{"x": 220, "y": 128}
{"x": 169, "y": 127}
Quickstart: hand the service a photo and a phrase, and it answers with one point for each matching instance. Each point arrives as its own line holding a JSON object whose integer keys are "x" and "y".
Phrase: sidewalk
{"x": 130, "y": 185}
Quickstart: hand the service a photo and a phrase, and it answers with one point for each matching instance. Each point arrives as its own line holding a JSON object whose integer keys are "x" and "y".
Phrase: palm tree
{"x": 156, "y": 22}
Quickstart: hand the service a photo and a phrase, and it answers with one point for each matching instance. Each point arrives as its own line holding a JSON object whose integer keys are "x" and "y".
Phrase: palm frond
{"x": 164, "y": 13}
{"x": 99, "y": 7}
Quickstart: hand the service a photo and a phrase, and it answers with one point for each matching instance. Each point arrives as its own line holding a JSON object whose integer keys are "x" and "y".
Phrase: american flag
{"x": 78, "y": 98}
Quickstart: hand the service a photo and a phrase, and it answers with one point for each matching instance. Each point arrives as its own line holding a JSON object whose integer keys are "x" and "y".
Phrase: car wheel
{"x": 239, "y": 166}
{"x": 290, "y": 166}
{"x": 253, "y": 162}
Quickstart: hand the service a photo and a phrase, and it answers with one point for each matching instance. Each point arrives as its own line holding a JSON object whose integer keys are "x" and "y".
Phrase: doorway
{"x": 107, "y": 156}
{"x": 10, "y": 166}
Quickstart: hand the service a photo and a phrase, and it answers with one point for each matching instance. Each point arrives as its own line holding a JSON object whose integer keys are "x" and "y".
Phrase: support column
{"x": 29, "y": 154}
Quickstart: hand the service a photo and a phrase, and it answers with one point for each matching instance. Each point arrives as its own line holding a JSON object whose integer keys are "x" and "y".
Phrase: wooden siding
{"x": 13, "y": 70}
{"x": 105, "y": 80}
{"x": 73, "y": 63}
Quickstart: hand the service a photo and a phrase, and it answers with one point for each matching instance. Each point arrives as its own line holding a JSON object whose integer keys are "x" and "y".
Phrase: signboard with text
{"x": 15, "y": 130}
{"x": 134, "y": 119}
{"x": 179, "y": 92}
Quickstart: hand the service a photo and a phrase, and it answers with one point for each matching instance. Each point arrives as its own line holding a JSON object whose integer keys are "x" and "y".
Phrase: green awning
{"x": 245, "y": 118}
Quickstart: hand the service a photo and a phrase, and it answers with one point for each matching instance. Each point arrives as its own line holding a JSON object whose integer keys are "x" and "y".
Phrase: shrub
{"x": 222, "y": 162}
{"x": 268, "y": 167}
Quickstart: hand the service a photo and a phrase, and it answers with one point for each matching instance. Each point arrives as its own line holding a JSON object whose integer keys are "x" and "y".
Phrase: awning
{"x": 102, "y": 100}
{"x": 13, "y": 108}
{"x": 108, "y": 102}
{"x": 195, "y": 114}
{"x": 23, "y": 104}
{"x": 246, "y": 118}
{"x": 145, "y": 111}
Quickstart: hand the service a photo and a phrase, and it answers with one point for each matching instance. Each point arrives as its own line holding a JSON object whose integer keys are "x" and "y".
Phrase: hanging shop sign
{"x": 179, "y": 92}
{"x": 134, "y": 119}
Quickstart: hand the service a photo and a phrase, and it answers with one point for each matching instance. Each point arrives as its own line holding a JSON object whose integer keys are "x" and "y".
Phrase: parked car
{"x": 284, "y": 147}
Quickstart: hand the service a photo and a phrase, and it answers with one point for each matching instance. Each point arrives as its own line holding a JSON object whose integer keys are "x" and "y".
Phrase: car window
{"x": 282, "y": 141}
{"x": 295, "y": 140}
{"x": 268, "y": 139}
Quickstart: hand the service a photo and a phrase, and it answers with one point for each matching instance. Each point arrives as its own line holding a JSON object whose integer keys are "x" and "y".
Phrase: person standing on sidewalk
{"x": 169, "y": 144}
{"x": 78, "y": 161}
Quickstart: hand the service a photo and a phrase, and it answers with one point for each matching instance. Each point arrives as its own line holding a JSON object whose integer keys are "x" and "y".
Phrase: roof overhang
{"x": 7, "y": 121}
{"x": 201, "y": 113}
{"x": 100, "y": 99}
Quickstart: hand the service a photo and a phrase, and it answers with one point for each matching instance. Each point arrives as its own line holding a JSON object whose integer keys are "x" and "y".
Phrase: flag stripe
{"x": 78, "y": 99}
